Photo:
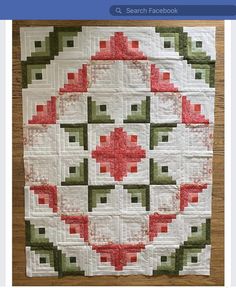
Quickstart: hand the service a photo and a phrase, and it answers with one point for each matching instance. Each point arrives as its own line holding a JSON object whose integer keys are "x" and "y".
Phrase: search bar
{"x": 173, "y": 10}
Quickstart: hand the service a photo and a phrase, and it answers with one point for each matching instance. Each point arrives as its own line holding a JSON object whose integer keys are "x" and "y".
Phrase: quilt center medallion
{"x": 118, "y": 154}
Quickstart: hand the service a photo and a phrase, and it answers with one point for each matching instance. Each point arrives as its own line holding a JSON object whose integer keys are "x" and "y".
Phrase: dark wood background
{"x": 217, "y": 260}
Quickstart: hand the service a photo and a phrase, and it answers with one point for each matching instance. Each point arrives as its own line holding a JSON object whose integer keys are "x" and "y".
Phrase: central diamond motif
{"x": 118, "y": 154}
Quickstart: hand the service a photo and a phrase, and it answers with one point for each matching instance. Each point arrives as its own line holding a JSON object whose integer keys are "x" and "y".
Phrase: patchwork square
{"x": 118, "y": 146}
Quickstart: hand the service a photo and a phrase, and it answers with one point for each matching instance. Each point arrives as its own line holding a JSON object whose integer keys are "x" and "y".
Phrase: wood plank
{"x": 217, "y": 261}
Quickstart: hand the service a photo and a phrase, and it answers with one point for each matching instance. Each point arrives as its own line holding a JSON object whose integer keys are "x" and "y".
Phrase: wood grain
{"x": 217, "y": 260}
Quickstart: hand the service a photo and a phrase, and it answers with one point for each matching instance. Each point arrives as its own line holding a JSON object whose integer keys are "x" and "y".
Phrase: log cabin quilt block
{"x": 118, "y": 135}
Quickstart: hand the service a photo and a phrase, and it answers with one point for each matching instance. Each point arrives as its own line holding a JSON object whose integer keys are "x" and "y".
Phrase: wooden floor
{"x": 217, "y": 261}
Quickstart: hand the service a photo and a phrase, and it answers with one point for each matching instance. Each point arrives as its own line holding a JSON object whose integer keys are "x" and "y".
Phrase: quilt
{"x": 118, "y": 147}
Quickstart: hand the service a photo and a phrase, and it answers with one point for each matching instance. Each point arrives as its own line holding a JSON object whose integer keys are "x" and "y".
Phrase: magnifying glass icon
{"x": 118, "y": 10}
